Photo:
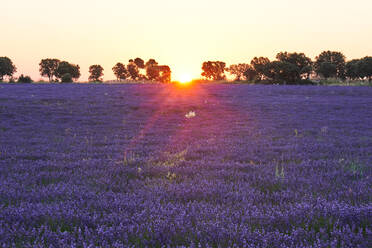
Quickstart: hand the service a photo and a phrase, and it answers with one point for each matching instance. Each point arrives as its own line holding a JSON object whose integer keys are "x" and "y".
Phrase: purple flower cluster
{"x": 121, "y": 166}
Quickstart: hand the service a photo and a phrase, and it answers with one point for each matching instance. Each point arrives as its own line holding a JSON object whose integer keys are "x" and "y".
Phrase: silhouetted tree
{"x": 66, "y": 78}
{"x": 134, "y": 67}
{"x": 281, "y": 72}
{"x": 238, "y": 70}
{"x": 337, "y": 59}
{"x": 151, "y": 62}
{"x": 302, "y": 66}
{"x": 288, "y": 68}
{"x": 165, "y": 74}
{"x": 48, "y": 68}
{"x": 160, "y": 73}
{"x": 67, "y": 68}
{"x": 24, "y": 79}
{"x": 260, "y": 64}
{"x": 133, "y": 70}
{"x": 352, "y": 69}
{"x": 139, "y": 62}
{"x": 326, "y": 70}
{"x": 151, "y": 72}
{"x": 120, "y": 71}
{"x": 7, "y": 68}
{"x": 250, "y": 74}
{"x": 365, "y": 68}
{"x": 96, "y": 73}
{"x": 214, "y": 70}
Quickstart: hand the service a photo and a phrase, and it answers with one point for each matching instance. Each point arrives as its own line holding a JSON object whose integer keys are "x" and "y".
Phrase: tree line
{"x": 65, "y": 72}
{"x": 153, "y": 71}
{"x": 292, "y": 68}
{"x": 287, "y": 68}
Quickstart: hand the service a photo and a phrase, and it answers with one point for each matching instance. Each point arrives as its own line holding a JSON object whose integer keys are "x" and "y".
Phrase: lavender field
{"x": 201, "y": 166}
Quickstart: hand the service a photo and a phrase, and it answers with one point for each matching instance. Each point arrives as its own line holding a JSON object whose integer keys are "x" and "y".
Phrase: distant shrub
{"x": 66, "y": 78}
{"x": 12, "y": 80}
{"x": 24, "y": 79}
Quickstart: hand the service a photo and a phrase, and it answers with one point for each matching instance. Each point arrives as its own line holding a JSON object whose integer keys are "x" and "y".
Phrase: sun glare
{"x": 185, "y": 78}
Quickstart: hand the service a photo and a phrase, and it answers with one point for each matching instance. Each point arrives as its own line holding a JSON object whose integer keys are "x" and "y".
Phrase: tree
{"x": 352, "y": 69}
{"x": 365, "y": 68}
{"x": 165, "y": 74}
{"x": 152, "y": 72}
{"x": 282, "y": 71}
{"x": 160, "y": 73}
{"x": 65, "y": 67}
{"x": 48, "y": 68}
{"x": 7, "y": 68}
{"x": 66, "y": 78}
{"x": 133, "y": 70}
{"x": 214, "y": 70}
{"x": 327, "y": 70}
{"x": 96, "y": 73}
{"x": 337, "y": 59}
{"x": 302, "y": 65}
{"x": 120, "y": 71}
{"x": 250, "y": 74}
{"x": 139, "y": 63}
{"x": 151, "y": 62}
{"x": 238, "y": 70}
{"x": 24, "y": 79}
{"x": 260, "y": 66}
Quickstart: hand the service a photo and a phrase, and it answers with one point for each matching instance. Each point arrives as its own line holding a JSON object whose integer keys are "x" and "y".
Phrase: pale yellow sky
{"x": 181, "y": 34}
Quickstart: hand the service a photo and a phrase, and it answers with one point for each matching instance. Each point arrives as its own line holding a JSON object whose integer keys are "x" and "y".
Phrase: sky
{"x": 181, "y": 34}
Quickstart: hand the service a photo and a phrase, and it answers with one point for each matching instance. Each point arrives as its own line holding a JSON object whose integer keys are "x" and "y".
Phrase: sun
{"x": 185, "y": 78}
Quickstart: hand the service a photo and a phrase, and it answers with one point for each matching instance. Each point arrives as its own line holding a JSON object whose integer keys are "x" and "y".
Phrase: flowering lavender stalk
{"x": 121, "y": 166}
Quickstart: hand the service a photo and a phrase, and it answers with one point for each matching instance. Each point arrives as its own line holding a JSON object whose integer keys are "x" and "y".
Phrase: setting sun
{"x": 185, "y": 78}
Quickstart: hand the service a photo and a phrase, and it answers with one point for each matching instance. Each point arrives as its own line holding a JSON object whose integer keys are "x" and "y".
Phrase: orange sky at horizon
{"x": 178, "y": 33}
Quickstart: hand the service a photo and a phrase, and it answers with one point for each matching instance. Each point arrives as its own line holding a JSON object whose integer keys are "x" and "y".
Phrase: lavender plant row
{"x": 201, "y": 166}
